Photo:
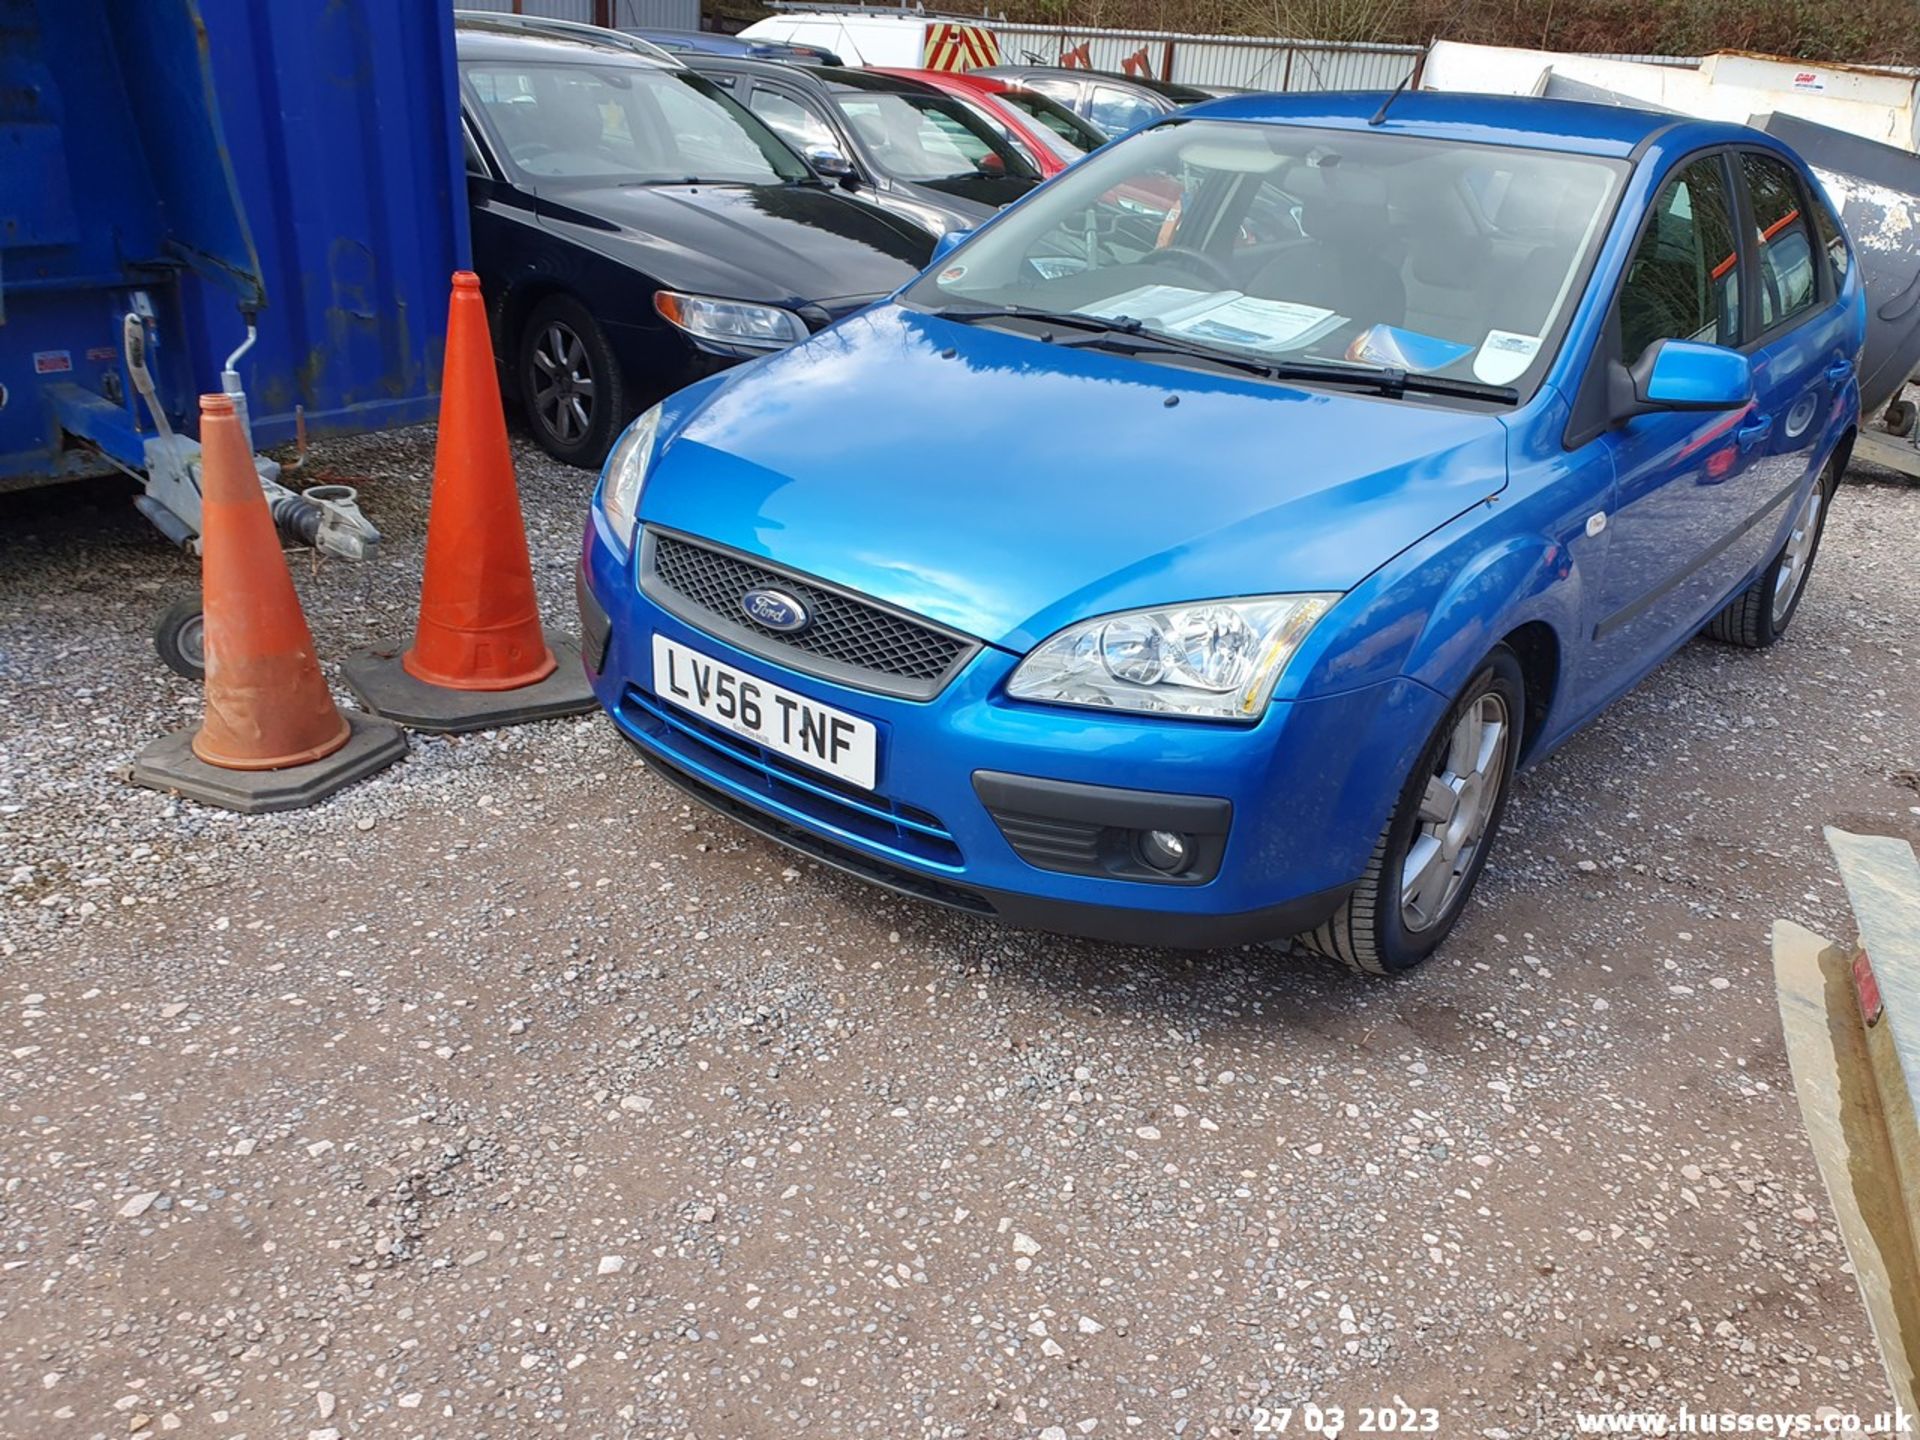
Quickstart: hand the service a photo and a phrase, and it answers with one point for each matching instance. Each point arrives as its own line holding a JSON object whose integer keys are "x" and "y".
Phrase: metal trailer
{"x": 1876, "y": 188}
{"x": 1880, "y": 105}
{"x": 265, "y": 197}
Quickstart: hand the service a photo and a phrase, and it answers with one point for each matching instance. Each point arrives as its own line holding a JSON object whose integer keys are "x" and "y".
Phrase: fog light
{"x": 1165, "y": 850}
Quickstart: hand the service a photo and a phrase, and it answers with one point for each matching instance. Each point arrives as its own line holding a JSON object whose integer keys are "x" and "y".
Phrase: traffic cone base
{"x": 170, "y": 764}
{"x": 271, "y": 737}
{"x": 383, "y": 682}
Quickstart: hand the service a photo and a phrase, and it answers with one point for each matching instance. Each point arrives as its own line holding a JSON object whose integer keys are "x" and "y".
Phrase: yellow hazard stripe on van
{"x": 959, "y": 47}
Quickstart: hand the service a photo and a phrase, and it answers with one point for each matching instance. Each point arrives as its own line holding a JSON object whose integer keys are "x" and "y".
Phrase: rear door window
{"x": 1783, "y": 240}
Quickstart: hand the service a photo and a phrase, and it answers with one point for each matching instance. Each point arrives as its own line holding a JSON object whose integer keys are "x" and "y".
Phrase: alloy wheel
{"x": 563, "y": 383}
{"x": 1455, "y": 810}
{"x": 1797, "y": 556}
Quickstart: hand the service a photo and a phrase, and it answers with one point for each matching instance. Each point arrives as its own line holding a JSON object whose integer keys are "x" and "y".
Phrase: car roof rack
{"x": 544, "y": 25}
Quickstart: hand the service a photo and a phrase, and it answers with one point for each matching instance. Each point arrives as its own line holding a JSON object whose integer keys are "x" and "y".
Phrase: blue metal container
{"x": 292, "y": 162}
{"x": 341, "y": 122}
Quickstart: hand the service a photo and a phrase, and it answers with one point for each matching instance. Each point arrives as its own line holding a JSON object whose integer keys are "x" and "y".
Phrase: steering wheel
{"x": 1195, "y": 262}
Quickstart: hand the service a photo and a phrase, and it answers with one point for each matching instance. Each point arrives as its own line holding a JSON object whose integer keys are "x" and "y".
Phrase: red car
{"x": 1052, "y": 136}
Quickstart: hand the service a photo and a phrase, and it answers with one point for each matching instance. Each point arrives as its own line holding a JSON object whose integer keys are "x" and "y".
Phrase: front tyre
{"x": 570, "y": 382}
{"x": 1430, "y": 855}
{"x": 1760, "y": 614}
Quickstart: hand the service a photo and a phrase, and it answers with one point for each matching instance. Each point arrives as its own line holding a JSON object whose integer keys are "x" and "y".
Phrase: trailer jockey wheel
{"x": 180, "y": 637}
{"x": 1899, "y": 417}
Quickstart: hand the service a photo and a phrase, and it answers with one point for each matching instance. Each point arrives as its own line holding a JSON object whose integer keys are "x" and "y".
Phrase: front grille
{"x": 851, "y": 640}
{"x": 874, "y": 818}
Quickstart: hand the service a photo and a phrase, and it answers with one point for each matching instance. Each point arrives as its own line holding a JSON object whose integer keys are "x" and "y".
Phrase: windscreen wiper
{"x": 1125, "y": 335}
{"x": 1388, "y": 380}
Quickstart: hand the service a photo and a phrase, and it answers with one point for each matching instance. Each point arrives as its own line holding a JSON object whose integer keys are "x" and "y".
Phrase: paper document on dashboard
{"x": 1225, "y": 316}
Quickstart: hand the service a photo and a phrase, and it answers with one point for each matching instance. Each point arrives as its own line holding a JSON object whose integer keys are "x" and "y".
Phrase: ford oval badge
{"x": 775, "y": 609}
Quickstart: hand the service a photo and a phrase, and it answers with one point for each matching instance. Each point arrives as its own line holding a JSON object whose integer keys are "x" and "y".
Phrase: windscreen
{"x": 1277, "y": 241}
{"x": 931, "y": 140}
{"x": 624, "y": 124}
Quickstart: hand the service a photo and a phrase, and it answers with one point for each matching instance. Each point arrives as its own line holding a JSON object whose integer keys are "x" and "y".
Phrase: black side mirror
{"x": 830, "y": 164}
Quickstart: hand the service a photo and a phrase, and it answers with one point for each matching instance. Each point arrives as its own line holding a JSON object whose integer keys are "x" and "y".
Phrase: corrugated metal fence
{"x": 1247, "y": 61}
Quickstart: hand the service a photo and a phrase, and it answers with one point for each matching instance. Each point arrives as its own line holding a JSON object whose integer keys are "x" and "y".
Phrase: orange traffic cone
{"x": 479, "y": 657}
{"x": 268, "y": 707}
{"x": 479, "y": 625}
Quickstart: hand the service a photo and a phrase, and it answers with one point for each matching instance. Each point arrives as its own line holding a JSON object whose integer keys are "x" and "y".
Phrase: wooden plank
{"x": 1879, "y": 448}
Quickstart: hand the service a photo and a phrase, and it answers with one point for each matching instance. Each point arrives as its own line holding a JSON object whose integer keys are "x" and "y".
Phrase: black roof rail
{"x": 542, "y": 25}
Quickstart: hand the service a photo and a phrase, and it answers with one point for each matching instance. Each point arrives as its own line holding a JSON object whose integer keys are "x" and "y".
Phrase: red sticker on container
{"x": 52, "y": 362}
{"x": 102, "y": 352}
{"x": 1867, "y": 987}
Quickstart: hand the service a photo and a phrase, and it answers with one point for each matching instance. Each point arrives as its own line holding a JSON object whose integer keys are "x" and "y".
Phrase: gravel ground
{"x": 505, "y": 1094}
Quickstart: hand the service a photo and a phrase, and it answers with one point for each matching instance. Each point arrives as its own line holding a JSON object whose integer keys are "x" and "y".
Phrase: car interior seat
{"x": 1341, "y": 265}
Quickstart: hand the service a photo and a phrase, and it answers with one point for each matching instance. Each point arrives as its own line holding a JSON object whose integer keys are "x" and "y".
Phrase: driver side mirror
{"x": 830, "y": 164}
{"x": 1681, "y": 375}
{"x": 946, "y": 244}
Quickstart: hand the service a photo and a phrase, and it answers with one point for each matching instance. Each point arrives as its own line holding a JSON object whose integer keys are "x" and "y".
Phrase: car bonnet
{"x": 1006, "y": 486}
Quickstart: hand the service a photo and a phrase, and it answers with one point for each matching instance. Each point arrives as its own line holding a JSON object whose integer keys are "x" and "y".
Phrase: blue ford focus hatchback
{"x": 1191, "y": 555}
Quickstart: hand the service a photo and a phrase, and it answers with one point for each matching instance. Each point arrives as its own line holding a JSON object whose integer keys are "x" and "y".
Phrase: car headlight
{"x": 731, "y": 322}
{"x": 626, "y": 472}
{"x": 1214, "y": 660}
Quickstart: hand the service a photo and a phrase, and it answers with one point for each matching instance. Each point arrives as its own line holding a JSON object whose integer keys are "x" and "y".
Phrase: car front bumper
{"x": 1022, "y": 811}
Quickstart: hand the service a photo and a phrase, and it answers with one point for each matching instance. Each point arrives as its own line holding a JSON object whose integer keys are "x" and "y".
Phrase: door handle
{"x": 1839, "y": 372}
{"x": 1751, "y": 434}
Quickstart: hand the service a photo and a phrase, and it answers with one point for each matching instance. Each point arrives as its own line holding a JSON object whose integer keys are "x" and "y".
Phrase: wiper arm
{"x": 1469, "y": 389}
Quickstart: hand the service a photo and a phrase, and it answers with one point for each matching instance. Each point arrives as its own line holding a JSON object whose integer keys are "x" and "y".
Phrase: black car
{"x": 902, "y": 144}
{"x": 1112, "y": 103}
{"x": 634, "y": 229}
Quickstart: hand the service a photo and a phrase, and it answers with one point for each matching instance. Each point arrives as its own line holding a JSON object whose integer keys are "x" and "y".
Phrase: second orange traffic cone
{"x": 272, "y": 738}
{"x": 479, "y": 657}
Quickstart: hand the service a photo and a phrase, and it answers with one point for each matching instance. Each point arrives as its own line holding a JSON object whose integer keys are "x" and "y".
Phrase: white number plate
{"x": 845, "y": 746}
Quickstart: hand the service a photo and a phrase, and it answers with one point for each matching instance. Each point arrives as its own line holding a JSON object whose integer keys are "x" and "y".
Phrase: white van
{"x": 903, "y": 41}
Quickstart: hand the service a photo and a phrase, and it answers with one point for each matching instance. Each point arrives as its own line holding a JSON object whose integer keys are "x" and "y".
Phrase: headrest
{"x": 1340, "y": 206}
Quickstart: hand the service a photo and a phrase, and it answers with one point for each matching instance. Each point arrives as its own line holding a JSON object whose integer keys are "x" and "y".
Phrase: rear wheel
{"x": 1760, "y": 614}
{"x": 570, "y": 382}
{"x": 1428, "y": 859}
